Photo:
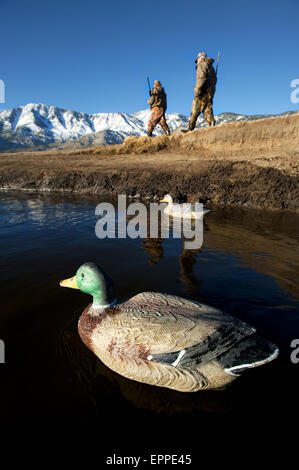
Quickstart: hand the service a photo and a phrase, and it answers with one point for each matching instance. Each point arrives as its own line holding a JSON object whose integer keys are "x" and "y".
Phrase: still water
{"x": 248, "y": 266}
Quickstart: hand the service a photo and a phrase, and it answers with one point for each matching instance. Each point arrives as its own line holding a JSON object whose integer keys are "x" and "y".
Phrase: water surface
{"x": 248, "y": 266}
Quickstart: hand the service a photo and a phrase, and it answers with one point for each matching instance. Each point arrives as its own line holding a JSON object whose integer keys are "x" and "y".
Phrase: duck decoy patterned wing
{"x": 169, "y": 324}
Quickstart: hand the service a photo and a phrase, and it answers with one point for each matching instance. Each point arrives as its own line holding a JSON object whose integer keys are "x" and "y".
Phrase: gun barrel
{"x": 218, "y": 57}
{"x": 149, "y": 85}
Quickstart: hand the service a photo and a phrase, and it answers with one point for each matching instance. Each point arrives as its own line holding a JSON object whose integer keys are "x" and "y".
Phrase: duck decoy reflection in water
{"x": 99, "y": 385}
{"x": 164, "y": 340}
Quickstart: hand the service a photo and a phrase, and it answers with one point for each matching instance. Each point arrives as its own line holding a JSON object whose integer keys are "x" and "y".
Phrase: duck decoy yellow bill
{"x": 162, "y": 200}
{"x": 71, "y": 282}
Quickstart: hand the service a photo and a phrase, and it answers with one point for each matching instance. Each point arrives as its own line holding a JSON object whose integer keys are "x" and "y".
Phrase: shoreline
{"x": 248, "y": 164}
{"x": 267, "y": 189}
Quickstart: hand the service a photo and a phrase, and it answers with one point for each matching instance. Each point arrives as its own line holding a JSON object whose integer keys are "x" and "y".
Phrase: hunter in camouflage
{"x": 158, "y": 104}
{"x": 204, "y": 90}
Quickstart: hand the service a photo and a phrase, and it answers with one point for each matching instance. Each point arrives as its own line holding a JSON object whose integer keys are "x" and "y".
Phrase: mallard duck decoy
{"x": 179, "y": 210}
{"x": 165, "y": 340}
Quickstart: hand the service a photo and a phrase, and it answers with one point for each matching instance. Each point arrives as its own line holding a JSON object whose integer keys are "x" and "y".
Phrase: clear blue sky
{"x": 94, "y": 55}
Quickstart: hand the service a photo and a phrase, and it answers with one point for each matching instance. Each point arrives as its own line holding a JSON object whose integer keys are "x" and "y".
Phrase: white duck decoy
{"x": 190, "y": 211}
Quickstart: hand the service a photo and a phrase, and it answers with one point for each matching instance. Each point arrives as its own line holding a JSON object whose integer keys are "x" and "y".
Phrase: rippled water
{"x": 248, "y": 266}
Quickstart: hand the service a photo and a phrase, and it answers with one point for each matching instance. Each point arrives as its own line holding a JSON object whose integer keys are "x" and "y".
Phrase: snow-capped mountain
{"x": 42, "y": 126}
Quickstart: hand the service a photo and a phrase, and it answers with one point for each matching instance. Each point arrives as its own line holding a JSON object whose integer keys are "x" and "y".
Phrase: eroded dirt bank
{"x": 252, "y": 164}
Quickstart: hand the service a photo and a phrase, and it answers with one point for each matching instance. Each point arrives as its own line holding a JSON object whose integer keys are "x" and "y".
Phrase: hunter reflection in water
{"x": 187, "y": 259}
{"x": 248, "y": 267}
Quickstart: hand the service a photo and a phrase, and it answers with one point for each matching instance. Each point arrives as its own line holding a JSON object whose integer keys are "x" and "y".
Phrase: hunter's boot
{"x": 191, "y": 125}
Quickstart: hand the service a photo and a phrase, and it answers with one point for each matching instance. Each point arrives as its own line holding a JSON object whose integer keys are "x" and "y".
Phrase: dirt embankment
{"x": 252, "y": 164}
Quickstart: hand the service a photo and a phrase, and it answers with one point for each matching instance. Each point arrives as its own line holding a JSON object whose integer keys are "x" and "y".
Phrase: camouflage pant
{"x": 202, "y": 104}
{"x": 157, "y": 117}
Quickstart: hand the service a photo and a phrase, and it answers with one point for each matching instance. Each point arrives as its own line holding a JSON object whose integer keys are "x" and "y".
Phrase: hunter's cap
{"x": 201, "y": 55}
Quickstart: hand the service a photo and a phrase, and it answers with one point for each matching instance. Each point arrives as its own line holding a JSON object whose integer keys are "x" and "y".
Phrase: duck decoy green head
{"x": 91, "y": 279}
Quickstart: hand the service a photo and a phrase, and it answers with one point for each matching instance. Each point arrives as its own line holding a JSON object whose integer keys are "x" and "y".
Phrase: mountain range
{"x": 37, "y": 126}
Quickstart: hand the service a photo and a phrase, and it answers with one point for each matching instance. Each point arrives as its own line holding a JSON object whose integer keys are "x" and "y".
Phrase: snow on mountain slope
{"x": 41, "y": 126}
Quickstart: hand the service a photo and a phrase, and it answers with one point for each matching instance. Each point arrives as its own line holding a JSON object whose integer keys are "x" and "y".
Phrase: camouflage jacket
{"x": 158, "y": 98}
{"x": 205, "y": 77}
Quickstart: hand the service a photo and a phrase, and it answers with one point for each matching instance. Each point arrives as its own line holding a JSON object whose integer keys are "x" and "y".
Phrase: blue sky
{"x": 94, "y": 55}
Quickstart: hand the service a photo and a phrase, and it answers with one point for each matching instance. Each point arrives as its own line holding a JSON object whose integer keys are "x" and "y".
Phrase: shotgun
{"x": 149, "y": 86}
{"x": 217, "y": 62}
